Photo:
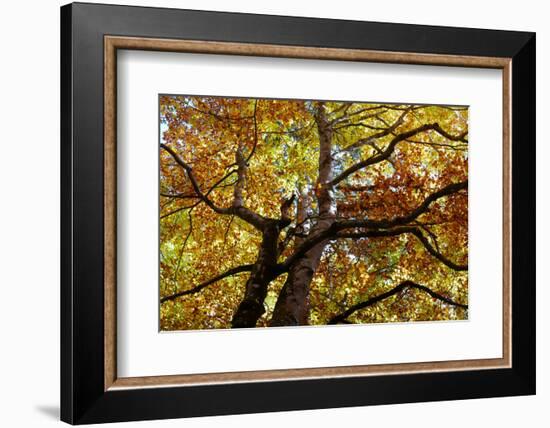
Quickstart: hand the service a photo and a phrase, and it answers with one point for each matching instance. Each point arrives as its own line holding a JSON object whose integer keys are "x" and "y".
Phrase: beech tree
{"x": 288, "y": 212}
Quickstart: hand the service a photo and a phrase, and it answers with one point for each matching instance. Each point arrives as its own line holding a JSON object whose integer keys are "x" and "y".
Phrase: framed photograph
{"x": 266, "y": 213}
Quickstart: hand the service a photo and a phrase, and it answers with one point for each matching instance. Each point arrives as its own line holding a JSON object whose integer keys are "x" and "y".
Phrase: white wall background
{"x": 29, "y": 218}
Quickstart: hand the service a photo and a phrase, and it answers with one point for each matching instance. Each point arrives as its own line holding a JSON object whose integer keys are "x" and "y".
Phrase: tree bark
{"x": 265, "y": 270}
{"x": 292, "y": 307}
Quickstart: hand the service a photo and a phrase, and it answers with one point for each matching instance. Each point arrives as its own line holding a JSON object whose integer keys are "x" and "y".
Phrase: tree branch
{"x": 214, "y": 186}
{"x": 240, "y": 211}
{"x": 196, "y": 289}
{"x": 255, "y": 133}
{"x": 373, "y": 300}
{"x": 178, "y": 195}
{"x": 374, "y": 225}
{"x": 193, "y": 180}
{"x": 389, "y": 130}
{"x": 385, "y": 154}
{"x": 241, "y": 178}
{"x": 403, "y": 230}
{"x": 399, "y": 221}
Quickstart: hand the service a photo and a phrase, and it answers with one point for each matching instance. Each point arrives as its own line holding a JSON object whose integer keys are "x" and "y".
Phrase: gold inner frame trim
{"x": 113, "y": 43}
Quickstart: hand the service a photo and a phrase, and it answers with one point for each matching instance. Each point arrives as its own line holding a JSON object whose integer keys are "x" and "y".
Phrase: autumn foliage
{"x": 290, "y": 212}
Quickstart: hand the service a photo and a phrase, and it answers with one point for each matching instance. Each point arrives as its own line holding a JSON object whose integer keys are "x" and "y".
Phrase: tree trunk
{"x": 251, "y": 307}
{"x": 292, "y": 307}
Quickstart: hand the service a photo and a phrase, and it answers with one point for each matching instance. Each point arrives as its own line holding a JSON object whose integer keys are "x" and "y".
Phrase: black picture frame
{"x": 83, "y": 396}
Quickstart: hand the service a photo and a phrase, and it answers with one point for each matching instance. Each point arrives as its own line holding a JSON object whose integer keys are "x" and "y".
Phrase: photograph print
{"x": 286, "y": 212}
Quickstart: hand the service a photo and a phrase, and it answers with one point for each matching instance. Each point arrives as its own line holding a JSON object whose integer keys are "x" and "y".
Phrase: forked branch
{"x": 372, "y": 225}
{"x": 385, "y": 154}
{"x": 193, "y": 180}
